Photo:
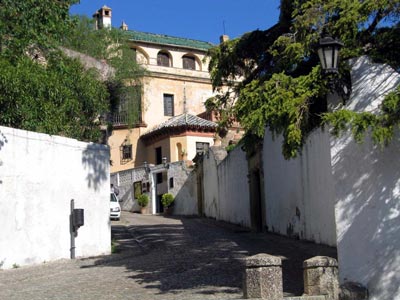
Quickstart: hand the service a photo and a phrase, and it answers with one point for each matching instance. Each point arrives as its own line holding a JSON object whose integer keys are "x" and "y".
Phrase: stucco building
{"x": 174, "y": 88}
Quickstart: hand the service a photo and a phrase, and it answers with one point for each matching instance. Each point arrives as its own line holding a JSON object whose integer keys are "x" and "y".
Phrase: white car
{"x": 115, "y": 208}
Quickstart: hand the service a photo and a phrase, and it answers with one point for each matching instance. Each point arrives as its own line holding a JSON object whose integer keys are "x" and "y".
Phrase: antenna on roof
{"x": 223, "y": 38}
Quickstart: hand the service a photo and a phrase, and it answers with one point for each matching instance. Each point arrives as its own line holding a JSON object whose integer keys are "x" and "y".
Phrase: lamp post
{"x": 328, "y": 51}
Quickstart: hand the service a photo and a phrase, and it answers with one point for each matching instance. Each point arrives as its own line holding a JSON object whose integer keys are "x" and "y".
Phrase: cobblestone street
{"x": 162, "y": 258}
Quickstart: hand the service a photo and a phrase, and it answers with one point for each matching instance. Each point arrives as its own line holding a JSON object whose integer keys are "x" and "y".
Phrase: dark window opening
{"x": 168, "y": 105}
{"x": 159, "y": 178}
{"x": 163, "y": 59}
{"x": 171, "y": 182}
{"x": 189, "y": 62}
{"x": 127, "y": 152}
{"x": 158, "y": 155}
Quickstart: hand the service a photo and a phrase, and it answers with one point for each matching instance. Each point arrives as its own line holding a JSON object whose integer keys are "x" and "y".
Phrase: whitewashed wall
{"x": 234, "y": 201}
{"x": 367, "y": 193}
{"x": 184, "y": 189}
{"x": 39, "y": 175}
{"x": 226, "y": 188}
{"x": 299, "y": 192}
{"x": 211, "y": 183}
{"x": 360, "y": 183}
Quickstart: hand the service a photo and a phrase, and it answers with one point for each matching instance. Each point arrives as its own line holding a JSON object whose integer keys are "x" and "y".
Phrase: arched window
{"x": 163, "y": 59}
{"x": 140, "y": 56}
{"x": 189, "y": 62}
{"x": 179, "y": 151}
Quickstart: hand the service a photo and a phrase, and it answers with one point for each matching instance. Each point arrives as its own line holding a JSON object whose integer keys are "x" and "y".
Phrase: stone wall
{"x": 39, "y": 176}
{"x": 225, "y": 186}
{"x": 184, "y": 189}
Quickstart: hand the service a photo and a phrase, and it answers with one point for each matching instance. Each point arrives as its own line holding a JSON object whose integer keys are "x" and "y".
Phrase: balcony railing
{"x": 122, "y": 118}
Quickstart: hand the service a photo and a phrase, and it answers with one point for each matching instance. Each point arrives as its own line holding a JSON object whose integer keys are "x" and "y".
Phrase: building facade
{"x": 176, "y": 83}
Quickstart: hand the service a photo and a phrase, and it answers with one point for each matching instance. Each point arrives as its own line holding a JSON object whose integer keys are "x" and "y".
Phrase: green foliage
{"x": 167, "y": 199}
{"x": 59, "y": 98}
{"x": 41, "y": 89}
{"x": 28, "y": 22}
{"x": 114, "y": 246}
{"x": 272, "y": 77}
{"x": 113, "y": 46}
{"x": 230, "y": 147}
{"x": 143, "y": 200}
{"x": 15, "y": 266}
{"x": 381, "y": 126}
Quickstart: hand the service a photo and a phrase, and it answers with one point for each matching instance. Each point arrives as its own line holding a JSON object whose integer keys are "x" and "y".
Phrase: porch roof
{"x": 183, "y": 122}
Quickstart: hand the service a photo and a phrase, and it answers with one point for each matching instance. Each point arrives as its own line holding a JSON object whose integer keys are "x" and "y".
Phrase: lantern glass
{"x": 328, "y": 52}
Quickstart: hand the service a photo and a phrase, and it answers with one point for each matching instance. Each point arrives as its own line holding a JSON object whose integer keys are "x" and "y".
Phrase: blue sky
{"x": 202, "y": 20}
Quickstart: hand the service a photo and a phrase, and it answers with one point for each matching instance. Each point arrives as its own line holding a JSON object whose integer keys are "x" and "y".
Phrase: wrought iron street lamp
{"x": 328, "y": 51}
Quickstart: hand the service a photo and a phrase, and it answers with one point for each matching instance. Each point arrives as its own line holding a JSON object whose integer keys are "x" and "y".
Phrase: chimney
{"x": 124, "y": 26}
{"x": 223, "y": 38}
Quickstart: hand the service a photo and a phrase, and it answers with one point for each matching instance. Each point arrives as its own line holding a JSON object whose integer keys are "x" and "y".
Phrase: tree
{"x": 28, "y": 22}
{"x": 60, "y": 98}
{"x": 113, "y": 46}
{"x": 40, "y": 88}
{"x": 272, "y": 77}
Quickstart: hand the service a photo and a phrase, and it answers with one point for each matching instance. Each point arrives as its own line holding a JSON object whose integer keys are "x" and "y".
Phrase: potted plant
{"x": 167, "y": 200}
{"x": 143, "y": 201}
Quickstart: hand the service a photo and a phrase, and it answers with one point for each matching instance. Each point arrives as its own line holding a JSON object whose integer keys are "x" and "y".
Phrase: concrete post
{"x": 263, "y": 277}
{"x": 321, "y": 277}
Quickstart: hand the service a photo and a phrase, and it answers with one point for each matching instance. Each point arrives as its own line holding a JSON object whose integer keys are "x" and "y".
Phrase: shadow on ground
{"x": 203, "y": 255}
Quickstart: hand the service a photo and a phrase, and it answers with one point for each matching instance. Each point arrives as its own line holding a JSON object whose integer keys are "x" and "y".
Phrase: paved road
{"x": 162, "y": 258}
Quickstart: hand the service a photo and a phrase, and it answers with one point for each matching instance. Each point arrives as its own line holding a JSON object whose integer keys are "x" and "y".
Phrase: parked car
{"x": 115, "y": 208}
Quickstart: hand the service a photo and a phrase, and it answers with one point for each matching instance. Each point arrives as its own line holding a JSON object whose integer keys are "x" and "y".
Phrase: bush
{"x": 143, "y": 200}
{"x": 167, "y": 199}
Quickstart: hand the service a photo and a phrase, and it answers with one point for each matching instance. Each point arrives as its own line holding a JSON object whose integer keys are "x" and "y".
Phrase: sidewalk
{"x": 162, "y": 258}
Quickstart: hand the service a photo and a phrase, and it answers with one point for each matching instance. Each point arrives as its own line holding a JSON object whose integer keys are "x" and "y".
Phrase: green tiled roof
{"x": 168, "y": 40}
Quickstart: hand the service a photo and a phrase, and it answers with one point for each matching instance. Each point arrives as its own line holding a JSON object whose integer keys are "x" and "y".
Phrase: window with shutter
{"x": 163, "y": 59}
{"x": 127, "y": 152}
{"x": 189, "y": 62}
{"x": 168, "y": 105}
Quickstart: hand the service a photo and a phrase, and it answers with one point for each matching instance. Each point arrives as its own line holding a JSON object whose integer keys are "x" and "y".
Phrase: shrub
{"x": 143, "y": 200}
{"x": 167, "y": 199}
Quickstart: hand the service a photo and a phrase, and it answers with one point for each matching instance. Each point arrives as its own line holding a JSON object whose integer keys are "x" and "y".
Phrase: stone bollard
{"x": 263, "y": 277}
{"x": 353, "y": 291}
{"x": 321, "y": 277}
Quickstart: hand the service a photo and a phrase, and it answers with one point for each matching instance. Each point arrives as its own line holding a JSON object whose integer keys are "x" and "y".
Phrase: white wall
{"x": 367, "y": 193}
{"x": 299, "y": 192}
{"x": 211, "y": 185}
{"x": 184, "y": 189}
{"x": 360, "y": 183}
{"x": 234, "y": 200}
{"x": 226, "y": 188}
{"x": 39, "y": 175}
